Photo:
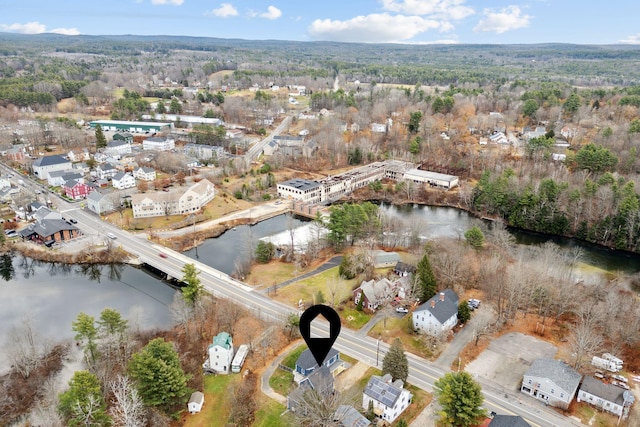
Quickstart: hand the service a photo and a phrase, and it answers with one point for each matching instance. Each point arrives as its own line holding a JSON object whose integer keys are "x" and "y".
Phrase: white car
{"x": 401, "y": 310}
{"x": 111, "y": 236}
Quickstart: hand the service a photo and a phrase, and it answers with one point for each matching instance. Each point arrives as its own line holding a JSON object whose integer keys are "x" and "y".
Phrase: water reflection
{"x": 6, "y": 267}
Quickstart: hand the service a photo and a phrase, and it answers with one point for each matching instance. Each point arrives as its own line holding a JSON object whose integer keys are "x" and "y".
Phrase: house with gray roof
{"x": 100, "y": 202}
{"x": 551, "y": 381}
{"x": 374, "y": 293}
{"x": 144, "y": 173}
{"x": 606, "y": 397}
{"x": 46, "y": 164}
{"x": 389, "y": 398}
{"x": 306, "y": 363}
{"x": 49, "y": 231}
{"x": 508, "y": 421}
{"x": 118, "y": 148}
{"x": 106, "y": 171}
{"x": 320, "y": 380}
{"x": 45, "y": 213}
{"x": 438, "y": 315}
{"x": 123, "y": 180}
{"x": 348, "y": 416}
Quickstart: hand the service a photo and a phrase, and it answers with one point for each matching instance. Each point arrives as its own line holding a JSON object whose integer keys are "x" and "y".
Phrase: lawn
{"x": 270, "y": 274}
{"x": 395, "y": 327}
{"x": 216, "y": 408}
{"x": 270, "y": 414}
{"x": 352, "y": 318}
{"x": 333, "y": 288}
{"x": 282, "y": 381}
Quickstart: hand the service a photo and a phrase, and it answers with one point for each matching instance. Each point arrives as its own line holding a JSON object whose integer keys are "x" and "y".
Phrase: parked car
{"x": 401, "y": 310}
{"x": 473, "y": 303}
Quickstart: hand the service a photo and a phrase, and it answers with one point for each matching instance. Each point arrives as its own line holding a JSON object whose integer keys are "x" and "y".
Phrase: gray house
{"x": 320, "y": 380}
{"x": 606, "y": 397}
{"x": 551, "y": 381}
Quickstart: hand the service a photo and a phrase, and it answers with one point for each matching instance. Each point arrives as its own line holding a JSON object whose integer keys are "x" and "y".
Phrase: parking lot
{"x": 508, "y": 357}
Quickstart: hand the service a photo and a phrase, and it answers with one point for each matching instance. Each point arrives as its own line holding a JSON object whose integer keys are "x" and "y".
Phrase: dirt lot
{"x": 508, "y": 357}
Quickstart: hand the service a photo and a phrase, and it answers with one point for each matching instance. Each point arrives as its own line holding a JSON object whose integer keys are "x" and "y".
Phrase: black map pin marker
{"x": 320, "y": 347}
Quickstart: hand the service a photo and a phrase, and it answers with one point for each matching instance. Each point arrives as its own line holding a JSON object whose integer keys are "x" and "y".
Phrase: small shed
{"x": 195, "y": 402}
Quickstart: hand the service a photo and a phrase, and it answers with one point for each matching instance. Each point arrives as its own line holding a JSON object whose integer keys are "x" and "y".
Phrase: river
{"x": 51, "y": 295}
{"x": 225, "y": 251}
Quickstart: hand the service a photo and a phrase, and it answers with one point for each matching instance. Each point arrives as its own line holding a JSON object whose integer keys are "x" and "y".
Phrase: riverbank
{"x": 79, "y": 251}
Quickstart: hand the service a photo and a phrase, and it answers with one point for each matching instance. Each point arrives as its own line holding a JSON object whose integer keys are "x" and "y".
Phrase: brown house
{"x": 49, "y": 231}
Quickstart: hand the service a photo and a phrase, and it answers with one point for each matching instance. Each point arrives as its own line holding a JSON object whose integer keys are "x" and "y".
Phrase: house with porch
{"x": 106, "y": 171}
{"x": 551, "y": 381}
{"x": 123, "y": 180}
{"x": 389, "y": 398}
{"x": 58, "y": 178}
{"x": 306, "y": 364}
{"x": 438, "y": 315}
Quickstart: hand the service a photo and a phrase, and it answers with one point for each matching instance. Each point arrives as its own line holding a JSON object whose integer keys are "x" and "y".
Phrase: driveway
{"x": 459, "y": 342}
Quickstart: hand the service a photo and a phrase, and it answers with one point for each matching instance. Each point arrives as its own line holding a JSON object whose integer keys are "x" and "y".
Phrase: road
{"x": 366, "y": 349}
{"x": 257, "y": 148}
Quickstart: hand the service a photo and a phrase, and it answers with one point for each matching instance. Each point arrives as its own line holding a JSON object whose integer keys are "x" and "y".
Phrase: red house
{"x": 76, "y": 190}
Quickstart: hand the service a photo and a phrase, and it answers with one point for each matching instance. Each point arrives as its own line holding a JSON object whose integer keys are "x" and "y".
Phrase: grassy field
{"x": 352, "y": 318}
{"x": 332, "y": 286}
{"x": 395, "y": 327}
{"x": 270, "y": 274}
{"x": 216, "y": 408}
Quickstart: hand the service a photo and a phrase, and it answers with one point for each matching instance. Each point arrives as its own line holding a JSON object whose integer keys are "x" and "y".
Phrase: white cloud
{"x": 374, "y": 28}
{"x": 634, "y": 39}
{"x": 271, "y": 13}
{"x": 66, "y": 31}
{"x": 161, "y": 2}
{"x": 28, "y": 28}
{"x": 224, "y": 11}
{"x": 37, "y": 28}
{"x": 444, "y": 9}
{"x": 503, "y": 20}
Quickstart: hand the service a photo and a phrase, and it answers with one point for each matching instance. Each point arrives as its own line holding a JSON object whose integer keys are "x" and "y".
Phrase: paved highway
{"x": 366, "y": 349}
{"x": 257, "y": 148}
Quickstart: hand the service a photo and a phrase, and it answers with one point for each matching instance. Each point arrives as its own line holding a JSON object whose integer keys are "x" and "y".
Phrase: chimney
{"x": 441, "y": 296}
{"x": 433, "y": 303}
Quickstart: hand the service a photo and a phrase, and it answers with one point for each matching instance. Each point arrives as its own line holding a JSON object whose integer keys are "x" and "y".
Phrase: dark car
{"x": 73, "y": 221}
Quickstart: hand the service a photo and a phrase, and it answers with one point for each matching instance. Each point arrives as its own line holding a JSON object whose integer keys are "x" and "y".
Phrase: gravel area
{"x": 507, "y": 358}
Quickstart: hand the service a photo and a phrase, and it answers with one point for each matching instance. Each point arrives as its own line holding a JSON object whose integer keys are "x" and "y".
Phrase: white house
{"x": 195, "y": 402}
{"x": 204, "y": 152}
{"x": 159, "y": 144}
{"x": 118, "y": 148}
{"x": 46, "y": 164}
{"x": 378, "y": 127}
{"x": 551, "y": 381}
{"x": 123, "y": 180}
{"x": 221, "y": 353}
{"x": 144, "y": 173}
{"x": 437, "y": 315}
{"x": 58, "y": 178}
{"x": 389, "y": 398}
{"x": 606, "y": 397}
{"x": 106, "y": 171}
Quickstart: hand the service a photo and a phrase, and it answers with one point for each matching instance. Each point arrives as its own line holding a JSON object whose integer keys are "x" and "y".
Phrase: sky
{"x": 370, "y": 21}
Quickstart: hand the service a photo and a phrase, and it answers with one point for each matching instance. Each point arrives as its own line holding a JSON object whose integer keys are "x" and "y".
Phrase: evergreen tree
{"x": 265, "y": 252}
{"x": 460, "y": 398}
{"x": 474, "y": 237}
{"x": 414, "y": 121}
{"x": 464, "y": 312}
{"x": 101, "y": 140}
{"x": 83, "y": 404}
{"x": 194, "y": 289}
{"x": 86, "y": 331}
{"x": 395, "y": 362}
{"x": 158, "y": 374}
{"x": 427, "y": 286}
